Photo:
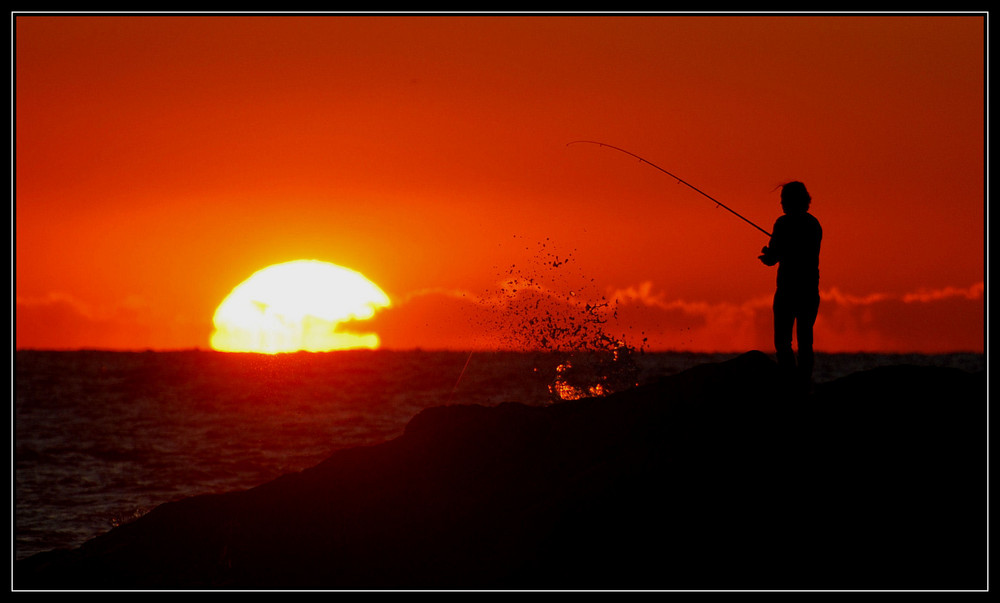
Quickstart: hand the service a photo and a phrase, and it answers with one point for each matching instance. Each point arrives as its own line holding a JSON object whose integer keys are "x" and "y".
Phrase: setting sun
{"x": 297, "y": 305}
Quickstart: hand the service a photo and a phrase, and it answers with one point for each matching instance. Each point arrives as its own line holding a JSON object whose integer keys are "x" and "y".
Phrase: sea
{"x": 101, "y": 438}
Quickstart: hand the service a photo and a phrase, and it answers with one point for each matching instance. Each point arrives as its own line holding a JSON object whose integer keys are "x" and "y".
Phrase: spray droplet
{"x": 530, "y": 315}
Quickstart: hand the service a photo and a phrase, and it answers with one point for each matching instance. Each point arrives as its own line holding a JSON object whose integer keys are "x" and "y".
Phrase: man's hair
{"x": 795, "y": 196}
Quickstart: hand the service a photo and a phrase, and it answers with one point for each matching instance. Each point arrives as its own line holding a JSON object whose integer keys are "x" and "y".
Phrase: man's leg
{"x": 784, "y": 319}
{"x": 805, "y": 320}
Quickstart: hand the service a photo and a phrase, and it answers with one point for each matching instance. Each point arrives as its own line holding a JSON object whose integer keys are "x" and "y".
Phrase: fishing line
{"x": 460, "y": 375}
{"x": 677, "y": 178}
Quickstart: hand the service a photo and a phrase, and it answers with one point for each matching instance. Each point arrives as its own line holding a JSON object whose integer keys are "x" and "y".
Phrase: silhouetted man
{"x": 794, "y": 247}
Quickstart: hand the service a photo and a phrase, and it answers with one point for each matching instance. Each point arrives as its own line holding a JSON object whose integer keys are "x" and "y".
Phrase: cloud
{"x": 923, "y": 296}
{"x": 428, "y": 319}
{"x": 516, "y": 314}
{"x": 929, "y": 321}
{"x": 59, "y": 321}
{"x": 679, "y": 324}
{"x": 519, "y": 314}
{"x": 941, "y": 320}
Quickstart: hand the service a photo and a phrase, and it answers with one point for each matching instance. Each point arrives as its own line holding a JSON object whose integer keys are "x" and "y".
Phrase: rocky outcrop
{"x": 714, "y": 478}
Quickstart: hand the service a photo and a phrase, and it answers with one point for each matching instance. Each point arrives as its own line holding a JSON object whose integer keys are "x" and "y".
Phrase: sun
{"x": 297, "y": 306}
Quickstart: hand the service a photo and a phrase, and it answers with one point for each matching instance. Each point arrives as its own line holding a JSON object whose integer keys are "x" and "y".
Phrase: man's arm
{"x": 768, "y": 257}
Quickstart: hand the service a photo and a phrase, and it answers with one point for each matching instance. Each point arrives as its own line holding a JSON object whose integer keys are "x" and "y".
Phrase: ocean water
{"x": 100, "y": 438}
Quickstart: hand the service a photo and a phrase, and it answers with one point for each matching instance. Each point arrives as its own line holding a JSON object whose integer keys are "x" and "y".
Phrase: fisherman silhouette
{"x": 794, "y": 247}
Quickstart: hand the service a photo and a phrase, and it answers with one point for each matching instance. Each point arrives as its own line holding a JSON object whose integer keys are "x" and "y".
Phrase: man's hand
{"x": 766, "y": 257}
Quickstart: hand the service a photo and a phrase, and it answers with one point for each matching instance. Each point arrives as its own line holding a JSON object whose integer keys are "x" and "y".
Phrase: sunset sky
{"x": 162, "y": 160}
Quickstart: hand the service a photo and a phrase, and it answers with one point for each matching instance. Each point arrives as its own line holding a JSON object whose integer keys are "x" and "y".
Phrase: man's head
{"x": 795, "y": 197}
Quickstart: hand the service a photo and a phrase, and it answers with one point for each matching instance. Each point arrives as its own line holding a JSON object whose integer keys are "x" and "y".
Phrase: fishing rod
{"x": 677, "y": 178}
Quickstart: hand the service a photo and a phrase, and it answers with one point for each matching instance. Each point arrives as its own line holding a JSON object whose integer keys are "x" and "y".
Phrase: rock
{"x": 714, "y": 478}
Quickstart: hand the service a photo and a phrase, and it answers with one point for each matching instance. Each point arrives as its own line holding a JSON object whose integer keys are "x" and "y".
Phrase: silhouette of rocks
{"x": 714, "y": 478}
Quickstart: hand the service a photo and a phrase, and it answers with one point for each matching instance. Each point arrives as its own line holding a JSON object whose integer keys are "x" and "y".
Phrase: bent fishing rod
{"x": 677, "y": 178}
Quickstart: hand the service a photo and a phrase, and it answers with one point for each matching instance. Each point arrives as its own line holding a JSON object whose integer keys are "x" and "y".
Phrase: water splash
{"x": 595, "y": 374}
{"x": 545, "y": 304}
{"x": 125, "y": 517}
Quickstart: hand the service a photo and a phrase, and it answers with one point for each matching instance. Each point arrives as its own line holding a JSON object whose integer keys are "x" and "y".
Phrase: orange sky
{"x": 161, "y": 160}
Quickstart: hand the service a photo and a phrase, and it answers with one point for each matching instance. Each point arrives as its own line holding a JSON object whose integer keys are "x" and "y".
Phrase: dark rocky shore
{"x": 714, "y": 478}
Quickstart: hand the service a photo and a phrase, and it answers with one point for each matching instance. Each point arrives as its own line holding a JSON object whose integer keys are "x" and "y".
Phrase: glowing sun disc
{"x": 296, "y": 306}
